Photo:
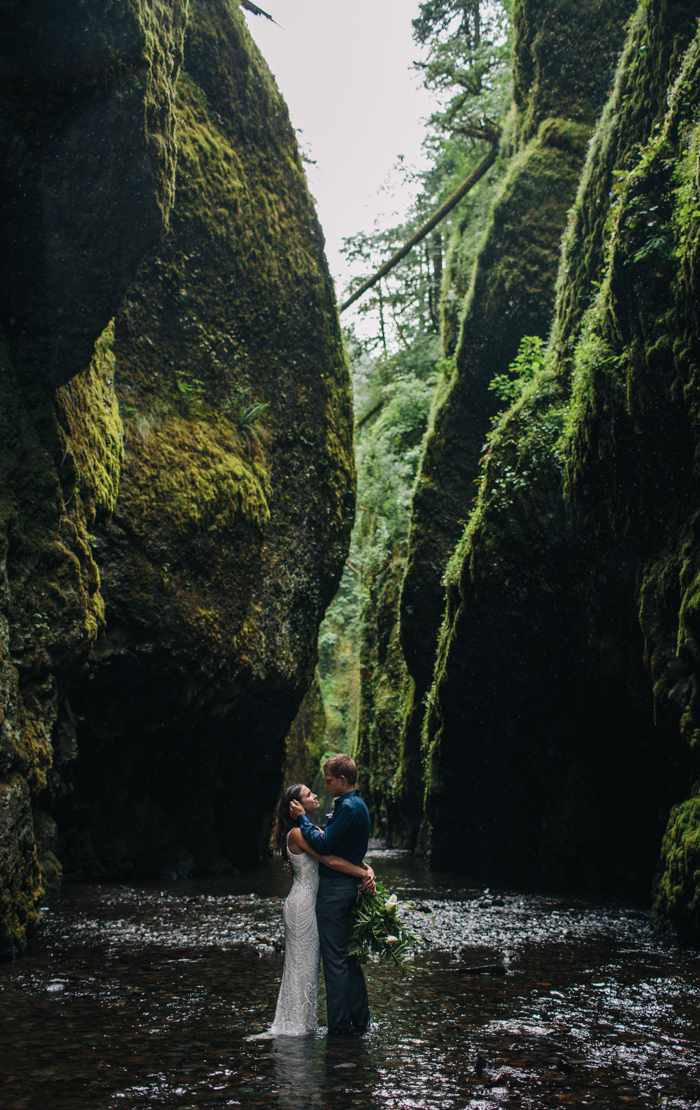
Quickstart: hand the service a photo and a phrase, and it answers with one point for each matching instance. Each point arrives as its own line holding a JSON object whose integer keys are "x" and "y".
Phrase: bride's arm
{"x": 336, "y": 863}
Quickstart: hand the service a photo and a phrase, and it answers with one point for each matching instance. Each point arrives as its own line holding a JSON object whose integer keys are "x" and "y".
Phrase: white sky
{"x": 343, "y": 67}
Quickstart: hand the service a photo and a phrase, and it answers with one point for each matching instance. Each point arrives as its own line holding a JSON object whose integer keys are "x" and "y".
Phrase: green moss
{"x": 644, "y": 273}
{"x": 20, "y": 879}
{"x": 678, "y": 897}
{"x": 90, "y": 192}
{"x": 649, "y": 64}
{"x": 571, "y": 629}
{"x": 306, "y": 740}
{"x": 197, "y": 468}
{"x": 510, "y": 296}
{"x": 52, "y": 607}
{"x": 212, "y": 473}
{"x": 51, "y": 580}
{"x": 227, "y": 539}
{"x": 89, "y": 413}
{"x": 564, "y": 55}
{"x": 463, "y": 249}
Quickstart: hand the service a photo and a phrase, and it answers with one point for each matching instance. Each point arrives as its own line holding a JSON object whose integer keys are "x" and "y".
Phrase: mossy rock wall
{"x": 565, "y": 57}
{"x": 511, "y": 296}
{"x": 87, "y": 134}
{"x": 563, "y": 714}
{"x": 306, "y": 740}
{"x": 52, "y": 611}
{"x": 385, "y": 768}
{"x": 87, "y": 138}
{"x": 512, "y": 288}
{"x": 174, "y": 518}
{"x": 564, "y": 54}
{"x": 229, "y": 533}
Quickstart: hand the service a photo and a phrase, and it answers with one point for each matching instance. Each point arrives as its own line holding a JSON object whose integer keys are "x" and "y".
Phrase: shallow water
{"x": 143, "y": 996}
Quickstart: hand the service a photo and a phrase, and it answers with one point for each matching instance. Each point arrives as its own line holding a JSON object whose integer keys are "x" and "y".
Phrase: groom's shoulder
{"x": 354, "y": 800}
{"x": 358, "y": 802}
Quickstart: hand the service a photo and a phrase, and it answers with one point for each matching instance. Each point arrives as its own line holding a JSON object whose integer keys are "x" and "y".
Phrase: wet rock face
{"x": 563, "y": 715}
{"x": 511, "y": 296}
{"x": 177, "y": 514}
{"x": 235, "y": 497}
{"x": 564, "y": 54}
{"x": 50, "y": 611}
{"x": 512, "y": 291}
{"x": 88, "y": 146}
{"x": 18, "y": 866}
{"x": 539, "y": 769}
{"x": 389, "y": 779}
{"x": 306, "y": 741}
{"x": 565, "y": 58}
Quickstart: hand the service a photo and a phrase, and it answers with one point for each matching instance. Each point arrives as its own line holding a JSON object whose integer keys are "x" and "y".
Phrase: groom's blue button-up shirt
{"x": 346, "y": 834}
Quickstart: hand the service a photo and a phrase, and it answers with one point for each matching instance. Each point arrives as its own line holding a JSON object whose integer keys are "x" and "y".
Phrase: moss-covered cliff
{"x": 306, "y": 741}
{"x": 176, "y": 516}
{"x": 388, "y": 451}
{"x": 562, "y": 717}
{"x": 87, "y": 132}
{"x": 564, "y": 61}
{"x": 379, "y": 752}
{"x": 565, "y": 56}
{"x": 87, "y": 137}
{"x": 228, "y": 534}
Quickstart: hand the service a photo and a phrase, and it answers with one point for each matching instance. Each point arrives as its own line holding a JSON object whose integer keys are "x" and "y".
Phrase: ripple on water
{"x": 144, "y": 997}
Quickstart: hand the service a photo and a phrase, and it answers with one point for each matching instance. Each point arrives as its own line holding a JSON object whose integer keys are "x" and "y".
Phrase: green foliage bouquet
{"x": 374, "y": 926}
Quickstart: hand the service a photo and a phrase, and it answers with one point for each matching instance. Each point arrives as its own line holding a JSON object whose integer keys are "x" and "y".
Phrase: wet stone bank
{"x": 144, "y": 996}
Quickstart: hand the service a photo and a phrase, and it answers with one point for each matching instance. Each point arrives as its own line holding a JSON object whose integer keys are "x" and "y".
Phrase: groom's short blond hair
{"x": 343, "y": 765}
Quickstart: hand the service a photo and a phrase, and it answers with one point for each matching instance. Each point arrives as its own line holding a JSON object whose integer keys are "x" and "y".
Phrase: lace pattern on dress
{"x": 297, "y": 1003}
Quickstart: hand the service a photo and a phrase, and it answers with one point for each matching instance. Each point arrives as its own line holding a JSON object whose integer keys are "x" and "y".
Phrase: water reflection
{"x": 145, "y": 997}
{"x": 298, "y": 1064}
{"x": 318, "y": 1071}
{"x": 312, "y": 1070}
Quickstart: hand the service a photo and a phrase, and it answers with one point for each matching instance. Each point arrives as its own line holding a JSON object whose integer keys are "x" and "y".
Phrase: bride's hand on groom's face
{"x": 295, "y": 810}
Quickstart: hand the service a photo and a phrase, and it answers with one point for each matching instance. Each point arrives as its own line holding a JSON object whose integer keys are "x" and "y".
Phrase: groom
{"x": 346, "y": 835}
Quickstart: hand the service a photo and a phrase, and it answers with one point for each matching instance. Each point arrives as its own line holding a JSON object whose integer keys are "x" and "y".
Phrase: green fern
{"x": 250, "y": 414}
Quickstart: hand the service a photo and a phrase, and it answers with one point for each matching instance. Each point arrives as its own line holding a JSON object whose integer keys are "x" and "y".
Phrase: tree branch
{"x": 367, "y": 415}
{"x": 250, "y": 7}
{"x": 491, "y": 132}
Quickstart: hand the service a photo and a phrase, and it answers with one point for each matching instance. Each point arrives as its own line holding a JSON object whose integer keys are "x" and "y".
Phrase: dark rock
{"x": 578, "y": 563}
{"x": 88, "y": 142}
{"x": 175, "y": 518}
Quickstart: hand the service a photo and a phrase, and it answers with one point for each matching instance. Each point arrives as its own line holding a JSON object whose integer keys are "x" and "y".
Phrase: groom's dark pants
{"x": 346, "y": 992}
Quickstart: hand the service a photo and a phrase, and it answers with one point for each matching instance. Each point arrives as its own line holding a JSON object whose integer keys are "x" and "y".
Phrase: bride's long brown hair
{"x": 283, "y": 823}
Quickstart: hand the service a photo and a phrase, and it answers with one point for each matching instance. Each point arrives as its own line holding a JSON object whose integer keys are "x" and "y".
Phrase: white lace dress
{"x": 298, "y": 998}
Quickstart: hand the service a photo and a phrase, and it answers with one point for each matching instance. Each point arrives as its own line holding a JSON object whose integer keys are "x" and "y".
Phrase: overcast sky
{"x": 344, "y": 69}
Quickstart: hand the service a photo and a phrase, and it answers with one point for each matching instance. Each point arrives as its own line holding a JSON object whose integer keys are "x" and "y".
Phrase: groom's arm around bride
{"x": 346, "y": 835}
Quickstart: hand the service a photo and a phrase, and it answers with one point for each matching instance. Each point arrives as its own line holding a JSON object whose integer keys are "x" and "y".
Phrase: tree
{"x": 468, "y": 59}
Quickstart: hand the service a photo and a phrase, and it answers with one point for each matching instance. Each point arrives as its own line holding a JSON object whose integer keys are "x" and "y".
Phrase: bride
{"x": 298, "y": 997}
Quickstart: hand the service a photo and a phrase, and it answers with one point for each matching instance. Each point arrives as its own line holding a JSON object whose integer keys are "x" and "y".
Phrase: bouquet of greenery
{"x": 374, "y": 926}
